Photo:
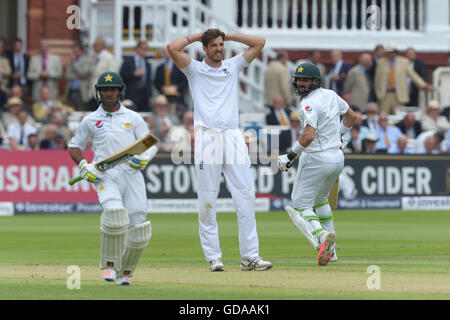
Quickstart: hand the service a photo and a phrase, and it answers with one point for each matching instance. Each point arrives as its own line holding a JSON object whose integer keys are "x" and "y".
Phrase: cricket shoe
{"x": 255, "y": 263}
{"x": 124, "y": 281}
{"x": 301, "y": 225}
{"x": 327, "y": 240}
{"x": 334, "y": 257}
{"x": 216, "y": 265}
{"x": 109, "y": 274}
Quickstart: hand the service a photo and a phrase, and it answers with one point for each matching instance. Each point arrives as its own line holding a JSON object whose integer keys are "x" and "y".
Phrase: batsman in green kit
{"x": 321, "y": 159}
{"x": 121, "y": 190}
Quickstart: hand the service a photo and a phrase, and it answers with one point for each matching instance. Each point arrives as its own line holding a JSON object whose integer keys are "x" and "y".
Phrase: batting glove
{"x": 284, "y": 164}
{"x": 89, "y": 172}
{"x": 140, "y": 161}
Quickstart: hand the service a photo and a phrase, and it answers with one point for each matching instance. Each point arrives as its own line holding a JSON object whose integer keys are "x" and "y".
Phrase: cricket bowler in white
{"x": 121, "y": 190}
{"x": 219, "y": 143}
{"x": 321, "y": 159}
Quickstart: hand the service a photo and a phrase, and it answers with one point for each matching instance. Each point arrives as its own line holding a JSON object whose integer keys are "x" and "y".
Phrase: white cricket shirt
{"x": 109, "y": 131}
{"x": 321, "y": 109}
{"x": 215, "y": 92}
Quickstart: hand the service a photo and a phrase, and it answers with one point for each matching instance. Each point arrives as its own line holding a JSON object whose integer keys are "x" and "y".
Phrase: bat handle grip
{"x": 75, "y": 180}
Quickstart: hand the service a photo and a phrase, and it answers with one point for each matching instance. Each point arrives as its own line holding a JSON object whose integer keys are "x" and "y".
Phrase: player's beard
{"x": 110, "y": 102}
{"x": 216, "y": 57}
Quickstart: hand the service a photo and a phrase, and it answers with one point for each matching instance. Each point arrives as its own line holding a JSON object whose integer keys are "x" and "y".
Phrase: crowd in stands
{"x": 35, "y": 113}
{"x": 374, "y": 87}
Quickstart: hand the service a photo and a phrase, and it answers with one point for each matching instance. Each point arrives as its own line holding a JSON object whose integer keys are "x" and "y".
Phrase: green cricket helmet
{"x": 310, "y": 71}
{"x": 109, "y": 80}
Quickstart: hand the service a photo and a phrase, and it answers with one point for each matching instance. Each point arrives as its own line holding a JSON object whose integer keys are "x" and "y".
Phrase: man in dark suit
{"x": 19, "y": 62}
{"x": 169, "y": 78}
{"x": 378, "y": 54}
{"x": 279, "y": 116}
{"x": 338, "y": 72}
{"x": 419, "y": 67}
{"x": 410, "y": 127}
{"x": 136, "y": 74}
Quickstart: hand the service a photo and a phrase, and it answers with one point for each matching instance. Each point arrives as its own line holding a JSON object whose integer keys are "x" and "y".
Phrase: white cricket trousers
{"x": 124, "y": 188}
{"x": 216, "y": 153}
{"x": 316, "y": 174}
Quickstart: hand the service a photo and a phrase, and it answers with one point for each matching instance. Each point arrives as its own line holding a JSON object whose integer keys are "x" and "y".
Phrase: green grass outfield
{"x": 411, "y": 248}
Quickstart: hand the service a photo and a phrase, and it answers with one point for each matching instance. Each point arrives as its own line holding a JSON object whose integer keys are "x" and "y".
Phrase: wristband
{"x": 344, "y": 129}
{"x": 297, "y": 148}
{"x": 188, "y": 40}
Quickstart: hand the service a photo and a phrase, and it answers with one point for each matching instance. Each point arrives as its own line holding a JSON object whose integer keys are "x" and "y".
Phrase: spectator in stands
{"x": 19, "y": 131}
{"x": 78, "y": 73}
{"x": 431, "y": 145}
{"x": 176, "y": 108}
{"x": 371, "y": 120}
{"x": 17, "y": 91}
{"x": 13, "y": 106}
{"x": 279, "y": 116}
{"x": 33, "y": 142}
{"x": 3, "y": 135}
{"x": 338, "y": 73}
{"x": 446, "y": 113}
{"x": 43, "y": 109}
{"x": 355, "y": 142}
{"x": 19, "y": 62}
{"x": 149, "y": 119}
{"x": 129, "y": 104}
{"x": 409, "y": 126}
{"x": 386, "y": 134}
{"x": 136, "y": 73}
{"x": 401, "y": 147}
{"x": 169, "y": 78}
{"x": 60, "y": 142}
{"x": 277, "y": 81}
{"x": 103, "y": 61}
{"x": 315, "y": 57}
{"x": 363, "y": 128}
{"x": 188, "y": 119}
{"x": 5, "y": 71}
{"x": 58, "y": 120}
{"x": 49, "y": 133}
{"x": 369, "y": 143}
{"x": 433, "y": 120}
{"x": 377, "y": 55}
{"x": 358, "y": 82}
{"x": 391, "y": 80}
{"x": 419, "y": 67}
{"x": 163, "y": 122}
{"x": 45, "y": 70}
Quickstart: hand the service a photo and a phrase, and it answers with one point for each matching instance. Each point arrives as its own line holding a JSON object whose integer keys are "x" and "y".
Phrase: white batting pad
{"x": 301, "y": 225}
{"x": 113, "y": 228}
{"x": 137, "y": 239}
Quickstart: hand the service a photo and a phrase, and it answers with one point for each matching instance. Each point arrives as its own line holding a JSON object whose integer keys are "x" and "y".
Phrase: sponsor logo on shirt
{"x": 99, "y": 124}
{"x": 308, "y": 109}
{"x": 226, "y": 71}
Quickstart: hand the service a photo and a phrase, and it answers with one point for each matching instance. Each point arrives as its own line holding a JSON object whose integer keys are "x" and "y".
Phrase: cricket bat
{"x": 123, "y": 155}
{"x": 333, "y": 197}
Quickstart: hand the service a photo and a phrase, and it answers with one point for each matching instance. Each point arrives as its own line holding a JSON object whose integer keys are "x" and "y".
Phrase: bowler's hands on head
{"x": 89, "y": 172}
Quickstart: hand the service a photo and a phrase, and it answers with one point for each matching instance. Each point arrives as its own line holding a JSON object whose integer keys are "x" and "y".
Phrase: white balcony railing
{"x": 349, "y": 25}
